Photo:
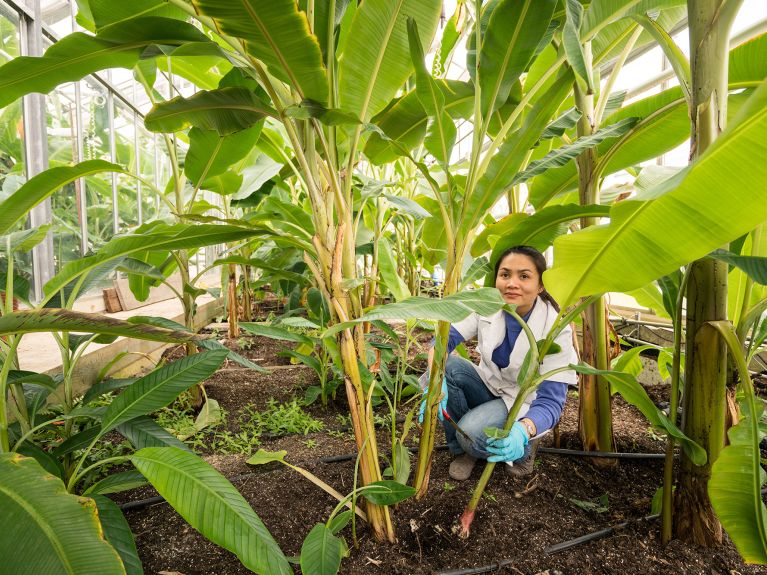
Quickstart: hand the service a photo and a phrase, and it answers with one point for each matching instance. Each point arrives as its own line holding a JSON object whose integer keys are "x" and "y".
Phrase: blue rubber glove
{"x": 442, "y": 402}
{"x": 511, "y": 447}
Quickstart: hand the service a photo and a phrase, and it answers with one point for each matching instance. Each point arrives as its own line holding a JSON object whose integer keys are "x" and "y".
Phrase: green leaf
{"x": 635, "y": 394}
{"x": 563, "y": 123}
{"x": 387, "y": 267}
{"x": 117, "y": 532}
{"x": 77, "y": 55}
{"x": 694, "y": 220}
{"x": 274, "y": 332}
{"x": 117, "y": 482}
{"x": 405, "y": 120}
{"x": 275, "y": 32}
{"x": 563, "y": 155}
{"x": 158, "y": 388}
{"x": 210, "y": 504}
{"x": 340, "y": 521}
{"x": 386, "y": 492}
{"x": 407, "y": 206}
{"x": 53, "y": 531}
{"x": 571, "y": 39}
{"x": 226, "y": 111}
{"x": 538, "y": 230}
{"x": 513, "y": 152}
{"x": 231, "y": 355}
{"x": 53, "y": 319}
{"x": 509, "y": 44}
{"x": 157, "y": 237}
{"x": 262, "y": 457}
{"x": 754, "y": 266}
{"x": 106, "y": 12}
{"x": 737, "y": 475}
{"x": 495, "y": 433}
{"x": 41, "y": 186}
{"x": 452, "y": 308}
{"x": 24, "y": 240}
{"x": 143, "y": 431}
{"x": 211, "y": 155}
{"x": 321, "y": 552}
{"x": 440, "y": 130}
{"x": 375, "y": 62}
{"x": 77, "y": 441}
{"x": 629, "y": 361}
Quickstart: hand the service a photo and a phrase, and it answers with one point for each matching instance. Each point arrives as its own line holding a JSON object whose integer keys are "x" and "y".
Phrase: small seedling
{"x": 244, "y": 343}
{"x": 599, "y": 506}
{"x": 311, "y": 444}
{"x": 448, "y": 486}
{"x": 490, "y": 497}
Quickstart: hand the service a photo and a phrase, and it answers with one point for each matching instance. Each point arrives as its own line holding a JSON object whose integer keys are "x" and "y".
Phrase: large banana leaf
{"x": 629, "y": 253}
{"x": 210, "y": 154}
{"x": 375, "y": 62}
{"x": 452, "y": 308}
{"x": 321, "y": 552}
{"x": 226, "y": 110}
{"x": 512, "y": 153}
{"x": 324, "y": 22}
{"x": 389, "y": 273}
{"x": 158, "y": 388}
{"x": 144, "y": 431}
{"x": 440, "y": 131}
{"x": 737, "y": 475}
{"x": 664, "y": 124}
{"x": 210, "y": 504}
{"x": 603, "y": 12}
{"x": 405, "y": 120}
{"x": 54, "y": 319}
{"x": 627, "y": 385}
{"x": 277, "y": 33}
{"x": 77, "y": 55}
{"x": 106, "y": 12}
{"x": 538, "y": 230}
{"x": 118, "y": 533}
{"x": 510, "y": 42}
{"x": 154, "y": 238}
{"x": 41, "y": 186}
{"x": 47, "y": 530}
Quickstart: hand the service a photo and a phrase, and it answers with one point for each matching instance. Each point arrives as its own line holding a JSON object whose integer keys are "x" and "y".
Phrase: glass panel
{"x": 12, "y": 166}
{"x": 96, "y": 145}
{"x": 147, "y": 167}
{"x": 57, "y": 16}
{"x": 62, "y": 150}
{"x": 127, "y": 186}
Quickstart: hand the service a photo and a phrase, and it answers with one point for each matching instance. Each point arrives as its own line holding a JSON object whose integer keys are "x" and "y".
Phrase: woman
{"x": 481, "y": 396}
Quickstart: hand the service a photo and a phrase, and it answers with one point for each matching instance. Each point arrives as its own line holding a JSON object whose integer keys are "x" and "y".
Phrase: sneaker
{"x": 461, "y": 467}
{"x": 524, "y": 466}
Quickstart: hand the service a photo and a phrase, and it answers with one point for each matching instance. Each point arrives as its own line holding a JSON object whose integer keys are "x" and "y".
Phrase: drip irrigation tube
{"x": 595, "y": 535}
{"x": 606, "y": 454}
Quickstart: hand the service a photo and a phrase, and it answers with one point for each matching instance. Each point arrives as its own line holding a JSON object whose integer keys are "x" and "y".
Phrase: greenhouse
{"x": 383, "y": 286}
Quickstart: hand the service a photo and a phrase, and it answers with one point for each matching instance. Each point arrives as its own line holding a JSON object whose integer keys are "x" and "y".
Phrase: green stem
{"x": 4, "y": 438}
{"x": 78, "y": 476}
{"x": 668, "y": 464}
{"x": 32, "y": 431}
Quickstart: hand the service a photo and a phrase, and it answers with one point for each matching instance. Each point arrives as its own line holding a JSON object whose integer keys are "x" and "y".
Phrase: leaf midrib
{"x": 507, "y": 55}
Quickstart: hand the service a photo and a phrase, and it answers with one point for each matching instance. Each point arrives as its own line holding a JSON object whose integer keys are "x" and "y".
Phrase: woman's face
{"x": 518, "y": 281}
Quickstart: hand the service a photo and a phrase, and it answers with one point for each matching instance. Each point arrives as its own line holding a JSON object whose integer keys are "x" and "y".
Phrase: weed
{"x": 448, "y": 486}
{"x": 601, "y": 505}
{"x": 244, "y": 343}
{"x": 655, "y": 435}
{"x": 311, "y": 444}
{"x": 490, "y": 497}
{"x": 279, "y": 418}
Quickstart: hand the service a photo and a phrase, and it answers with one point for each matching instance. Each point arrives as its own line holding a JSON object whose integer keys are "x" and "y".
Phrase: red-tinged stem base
{"x": 466, "y": 519}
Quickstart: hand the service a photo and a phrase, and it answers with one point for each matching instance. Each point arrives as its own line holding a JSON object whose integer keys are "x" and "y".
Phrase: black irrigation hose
{"x": 607, "y": 454}
{"x": 595, "y": 535}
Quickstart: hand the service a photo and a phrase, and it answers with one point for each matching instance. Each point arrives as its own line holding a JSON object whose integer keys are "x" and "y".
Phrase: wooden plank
{"x": 111, "y": 301}
{"x": 159, "y": 293}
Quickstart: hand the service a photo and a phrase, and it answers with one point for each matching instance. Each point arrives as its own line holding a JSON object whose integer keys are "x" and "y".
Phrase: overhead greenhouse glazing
{"x": 282, "y": 264}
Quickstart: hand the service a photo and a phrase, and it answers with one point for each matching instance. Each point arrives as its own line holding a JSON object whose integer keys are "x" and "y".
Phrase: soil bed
{"x": 566, "y": 497}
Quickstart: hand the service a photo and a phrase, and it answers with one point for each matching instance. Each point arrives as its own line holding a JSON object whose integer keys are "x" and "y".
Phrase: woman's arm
{"x": 546, "y": 408}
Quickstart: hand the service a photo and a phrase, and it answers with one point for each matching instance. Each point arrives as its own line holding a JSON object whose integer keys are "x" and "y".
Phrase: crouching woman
{"x": 480, "y": 396}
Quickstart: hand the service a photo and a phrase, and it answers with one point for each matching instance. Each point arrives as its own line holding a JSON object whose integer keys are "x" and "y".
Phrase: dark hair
{"x": 540, "y": 266}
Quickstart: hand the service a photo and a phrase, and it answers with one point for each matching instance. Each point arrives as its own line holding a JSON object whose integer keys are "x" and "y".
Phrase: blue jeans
{"x": 471, "y": 404}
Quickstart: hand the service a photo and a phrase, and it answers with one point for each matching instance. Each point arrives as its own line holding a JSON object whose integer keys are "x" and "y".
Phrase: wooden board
{"x": 111, "y": 301}
{"x": 159, "y": 293}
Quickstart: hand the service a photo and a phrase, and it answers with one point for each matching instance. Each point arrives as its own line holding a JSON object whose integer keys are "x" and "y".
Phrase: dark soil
{"x": 516, "y": 521}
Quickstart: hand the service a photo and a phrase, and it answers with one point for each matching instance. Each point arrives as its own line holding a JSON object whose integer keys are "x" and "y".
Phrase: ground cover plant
{"x": 330, "y": 144}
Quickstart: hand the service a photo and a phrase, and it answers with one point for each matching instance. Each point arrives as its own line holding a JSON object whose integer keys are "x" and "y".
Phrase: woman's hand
{"x": 442, "y": 402}
{"x": 511, "y": 447}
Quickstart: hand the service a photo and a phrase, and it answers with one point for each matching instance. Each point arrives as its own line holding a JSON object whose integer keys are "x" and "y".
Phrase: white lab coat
{"x": 490, "y": 332}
